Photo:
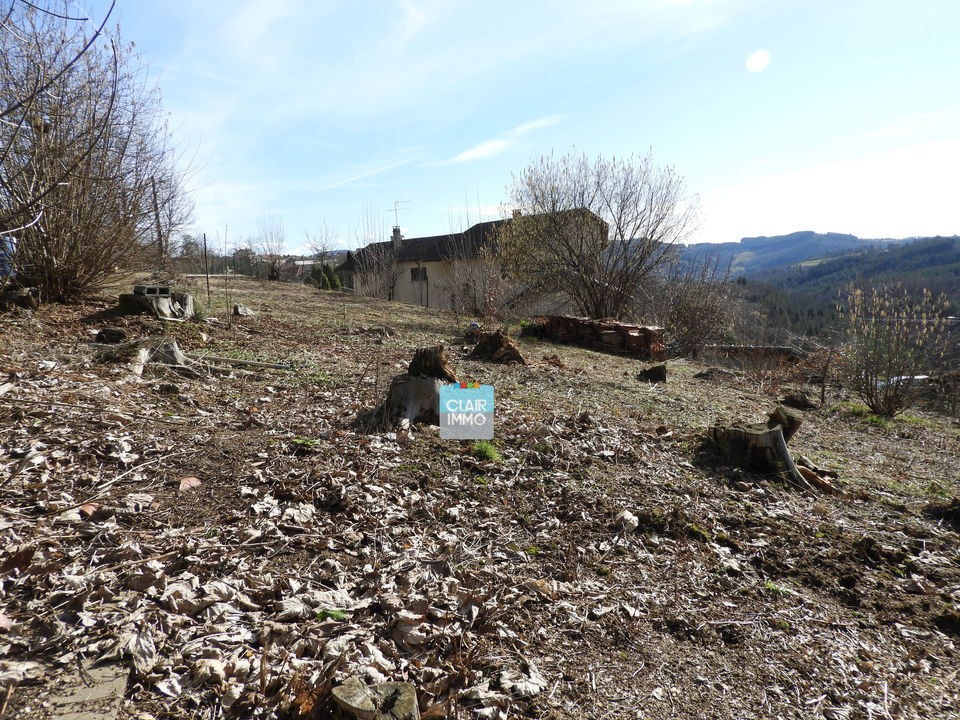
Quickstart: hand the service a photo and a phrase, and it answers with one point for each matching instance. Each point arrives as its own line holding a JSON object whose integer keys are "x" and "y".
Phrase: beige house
{"x": 461, "y": 271}
{"x": 454, "y": 271}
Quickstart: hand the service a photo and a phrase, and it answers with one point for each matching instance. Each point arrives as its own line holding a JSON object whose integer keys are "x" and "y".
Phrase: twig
{"x": 74, "y": 406}
{"x": 6, "y": 699}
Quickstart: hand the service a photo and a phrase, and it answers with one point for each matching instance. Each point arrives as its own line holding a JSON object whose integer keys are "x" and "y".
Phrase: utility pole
{"x": 156, "y": 215}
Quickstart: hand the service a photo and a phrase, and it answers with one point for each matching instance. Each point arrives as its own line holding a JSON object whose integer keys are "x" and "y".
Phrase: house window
{"x": 418, "y": 274}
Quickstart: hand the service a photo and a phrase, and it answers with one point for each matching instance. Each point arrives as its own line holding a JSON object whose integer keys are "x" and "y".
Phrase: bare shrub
{"x": 896, "y": 339}
{"x": 87, "y": 173}
{"x": 691, "y": 299}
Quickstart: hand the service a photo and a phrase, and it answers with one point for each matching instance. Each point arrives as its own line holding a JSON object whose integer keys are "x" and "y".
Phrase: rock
{"x": 242, "y": 311}
{"x": 384, "y": 701}
{"x": 111, "y": 335}
{"x": 626, "y": 521}
{"x": 655, "y": 374}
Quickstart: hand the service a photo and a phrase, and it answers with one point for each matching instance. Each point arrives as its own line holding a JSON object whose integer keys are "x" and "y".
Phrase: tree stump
{"x": 413, "y": 397}
{"x": 432, "y": 362}
{"x": 761, "y": 447}
{"x": 497, "y": 347}
{"x": 655, "y": 374}
{"x": 789, "y": 421}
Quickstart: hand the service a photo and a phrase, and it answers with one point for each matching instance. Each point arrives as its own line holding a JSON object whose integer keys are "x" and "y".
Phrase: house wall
{"x": 443, "y": 280}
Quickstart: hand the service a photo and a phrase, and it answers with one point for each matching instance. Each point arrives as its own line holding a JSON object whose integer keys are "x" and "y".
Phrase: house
{"x": 458, "y": 271}
{"x": 452, "y": 271}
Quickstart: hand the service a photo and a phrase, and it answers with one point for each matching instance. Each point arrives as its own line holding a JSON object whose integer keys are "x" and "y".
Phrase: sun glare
{"x": 758, "y": 60}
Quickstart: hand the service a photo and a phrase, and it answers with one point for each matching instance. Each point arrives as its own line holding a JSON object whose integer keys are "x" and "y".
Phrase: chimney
{"x": 397, "y": 238}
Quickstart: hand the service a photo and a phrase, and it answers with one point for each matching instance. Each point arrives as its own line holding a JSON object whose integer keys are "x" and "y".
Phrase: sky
{"x": 342, "y": 117}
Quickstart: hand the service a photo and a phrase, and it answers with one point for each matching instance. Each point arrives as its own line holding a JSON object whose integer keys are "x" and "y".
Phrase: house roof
{"x": 437, "y": 248}
{"x": 434, "y": 248}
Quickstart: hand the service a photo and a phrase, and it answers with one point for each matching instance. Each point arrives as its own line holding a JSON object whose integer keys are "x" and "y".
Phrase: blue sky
{"x": 782, "y": 115}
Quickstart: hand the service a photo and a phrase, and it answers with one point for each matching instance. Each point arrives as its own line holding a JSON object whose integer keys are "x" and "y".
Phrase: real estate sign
{"x": 466, "y": 412}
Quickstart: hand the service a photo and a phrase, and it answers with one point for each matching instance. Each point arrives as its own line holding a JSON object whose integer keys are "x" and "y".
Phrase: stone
{"x": 242, "y": 311}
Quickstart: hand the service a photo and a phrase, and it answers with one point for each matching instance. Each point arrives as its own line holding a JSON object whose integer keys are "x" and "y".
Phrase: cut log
{"x": 432, "y": 362}
{"x": 759, "y": 447}
{"x": 497, "y": 347}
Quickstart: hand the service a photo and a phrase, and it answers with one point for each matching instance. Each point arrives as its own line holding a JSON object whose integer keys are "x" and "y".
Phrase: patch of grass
{"x": 855, "y": 409}
{"x": 881, "y": 422}
{"x": 304, "y": 443}
{"x": 771, "y": 587}
{"x": 532, "y": 550}
{"x": 915, "y": 420}
{"x": 698, "y": 533}
{"x": 782, "y": 625}
{"x": 485, "y": 450}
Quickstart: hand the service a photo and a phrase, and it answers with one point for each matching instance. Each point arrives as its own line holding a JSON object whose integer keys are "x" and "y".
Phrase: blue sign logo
{"x": 466, "y": 412}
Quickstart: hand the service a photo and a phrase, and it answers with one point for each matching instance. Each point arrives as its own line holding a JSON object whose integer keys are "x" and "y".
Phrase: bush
{"x": 896, "y": 339}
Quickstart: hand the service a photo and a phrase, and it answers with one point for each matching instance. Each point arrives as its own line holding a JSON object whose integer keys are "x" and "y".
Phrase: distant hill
{"x": 755, "y": 255}
{"x": 801, "y": 297}
{"x": 931, "y": 263}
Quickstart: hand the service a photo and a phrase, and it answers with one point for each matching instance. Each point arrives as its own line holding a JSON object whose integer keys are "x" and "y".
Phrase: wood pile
{"x": 606, "y": 335}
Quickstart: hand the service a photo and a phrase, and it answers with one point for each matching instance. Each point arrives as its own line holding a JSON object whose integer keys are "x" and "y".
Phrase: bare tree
{"x": 376, "y": 262}
{"x": 474, "y": 285}
{"x": 270, "y": 245}
{"x": 80, "y": 155}
{"x": 322, "y": 243}
{"x": 594, "y": 230}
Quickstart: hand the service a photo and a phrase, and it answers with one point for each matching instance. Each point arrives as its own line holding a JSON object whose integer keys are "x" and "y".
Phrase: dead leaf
{"x": 19, "y": 560}
{"x": 189, "y": 483}
{"x": 143, "y": 651}
{"x": 6, "y": 623}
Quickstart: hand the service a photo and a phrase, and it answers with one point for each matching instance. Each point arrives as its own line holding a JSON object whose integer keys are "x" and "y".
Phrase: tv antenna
{"x": 396, "y": 208}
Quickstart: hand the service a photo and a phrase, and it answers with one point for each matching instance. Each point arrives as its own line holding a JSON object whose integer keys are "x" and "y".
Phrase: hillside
{"x": 231, "y": 545}
{"x": 753, "y": 256}
{"x": 933, "y": 263}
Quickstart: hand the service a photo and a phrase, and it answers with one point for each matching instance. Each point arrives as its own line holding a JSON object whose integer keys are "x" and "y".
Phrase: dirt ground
{"x": 239, "y": 546}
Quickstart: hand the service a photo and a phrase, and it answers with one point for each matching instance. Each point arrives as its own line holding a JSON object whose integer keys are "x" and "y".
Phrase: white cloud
{"x": 508, "y": 139}
{"x": 483, "y": 150}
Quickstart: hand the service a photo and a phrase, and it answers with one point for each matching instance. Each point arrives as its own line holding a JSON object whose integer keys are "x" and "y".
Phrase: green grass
{"x": 485, "y": 450}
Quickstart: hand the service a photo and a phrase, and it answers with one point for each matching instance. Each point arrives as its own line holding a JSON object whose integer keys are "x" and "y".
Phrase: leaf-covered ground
{"x": 236, "y": 543}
